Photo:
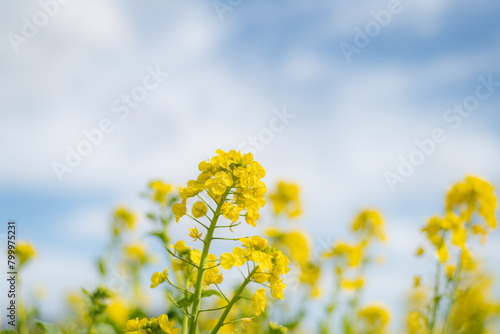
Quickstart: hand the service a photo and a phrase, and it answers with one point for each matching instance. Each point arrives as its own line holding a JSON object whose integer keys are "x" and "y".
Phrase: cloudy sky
{"x": 347, "y": 119}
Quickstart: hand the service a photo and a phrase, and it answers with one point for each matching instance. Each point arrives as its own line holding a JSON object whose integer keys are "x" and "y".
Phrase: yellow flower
{"x": 160, "y": 191}
{"x": 285, "y": 199}
{"x": 310, "y": 273}
{"x": 419, "y": 251}
{"x": 179, "y": 210}
{"x": 442, "y": 254}
{"x": 478, "y": 229}
{"x": 153, "y": 325}
{"x": 212, "y": 273}
{"x": 475, "y": 307}
{"x": 231, "y": 211}
{"x": 123, "y": 217}
{"x": 375, "y": 317}
{"x": 237, "y": 258}
{"x": 167, "y": 326}
{"x": 255, "y": 242}
{"x": 194, "y": 233}
{"x": 433, "y": 229}
{"x": 473, "y": 195}
{"x": 225, "y": 172}
{"x": 450, "y": 270}
{"x": 136, "y": 325}
{"x": 417, "y": 323}
{"x": 117, "y": 312}
{"x": 199, "y": 209}
{"x": 354, "y": 253}
{"x": 416, "y": 282}
{"x": 24, "y": 252}
{"x": 136, "y": 252}
{"x": 459, "y": 236}
{"x": 467, "y": 261}
{"x": 264, "y": 260}
{"x": 259, "y": 301}
{"x": 352, "y": 284}
{"x": 180, "y": 248}
{"x": 277, "y": 287}
{"x": 298, "y": 244}
{"x": 158, "y": 278}
{"x": 369, "y": 224}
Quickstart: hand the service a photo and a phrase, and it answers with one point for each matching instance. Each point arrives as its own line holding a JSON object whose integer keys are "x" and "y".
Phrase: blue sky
{"x": 351, "y": 120}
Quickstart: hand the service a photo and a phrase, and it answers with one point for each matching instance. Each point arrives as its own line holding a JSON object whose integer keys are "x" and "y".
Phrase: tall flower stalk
{"x": 229, "y": 187}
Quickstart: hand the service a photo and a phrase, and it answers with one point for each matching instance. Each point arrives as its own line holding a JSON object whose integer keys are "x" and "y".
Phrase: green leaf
{"x": 102, "y": 267}
{"x": 104, "y": 329}
{"x": 208, "y": 293}
{"x": 48, "y": 328}
{"x": 294, "y": 323}
{"x": 160, "y": 235}
{"x": 8, "y": 331}
{"x": 185, "y": 301}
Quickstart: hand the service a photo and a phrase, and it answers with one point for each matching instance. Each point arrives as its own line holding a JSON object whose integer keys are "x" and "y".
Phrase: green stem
{"x": 456, "y": 275}
{"x": 193, "y": 323}
{"x": 435, "y": 299}
{"x": 185, "y": 318}
{"x": 185, "y": 321}
{"x": 235, "y": 298}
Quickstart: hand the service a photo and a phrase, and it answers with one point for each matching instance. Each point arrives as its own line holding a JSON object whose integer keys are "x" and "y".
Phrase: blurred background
{"x": 337, "y": 96}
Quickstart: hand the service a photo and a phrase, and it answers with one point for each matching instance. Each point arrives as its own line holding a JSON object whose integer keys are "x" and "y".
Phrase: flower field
{"x": 221, "y": 278}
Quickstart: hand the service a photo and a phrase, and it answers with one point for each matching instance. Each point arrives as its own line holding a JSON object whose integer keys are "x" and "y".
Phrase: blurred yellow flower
{"x": 420, "y": 251}
{"x": 374, "y": 317}
{"x": 369, "y": 224}
{"x": 25, "y": 251}
{"x": 136, "y": 252}
{"x": 160, "y": 190}
{"x": 352, "y": 284}
{"x": 285, "y": 199}
{"x": 473, "y": 195}
{"x": 117, "y": 312}
{"x": 450, "y": 270}
{"x": 353, "y": 253}
{"x": 124, "y": 218}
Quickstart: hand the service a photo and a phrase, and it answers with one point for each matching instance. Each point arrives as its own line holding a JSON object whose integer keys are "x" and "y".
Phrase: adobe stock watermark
{"x": 281, "y": 119}
{"x": 373, "y": 28}
{"x": 122, "y": 107}
{"x": 452, "y": 117}
{"x": 31, "y": 26}
{"x": 221, "y": 7}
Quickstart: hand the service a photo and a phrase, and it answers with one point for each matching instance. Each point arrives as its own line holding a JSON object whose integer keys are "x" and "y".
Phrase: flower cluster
{"x": 123, "y": 218}
{"x": 470, "y": 210}
{"x": 223, "y": 173}
{"x": 231, "y": 183}
{"x": 374, "y": 318}
{"x": 159, "y": 191}
{"x": 271, "y": 263}
{"x": 160, "y": 325}
{"x": 296, "y": 245}
{"x": 350, "y": 260}
{"x": 368, "y": 226}
{"x": 285, "y": 199}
